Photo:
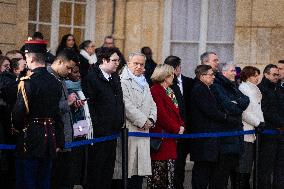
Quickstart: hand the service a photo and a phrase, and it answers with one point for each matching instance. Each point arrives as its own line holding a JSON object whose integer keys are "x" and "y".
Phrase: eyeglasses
{"x": 210, "y": 74}
{"x": 115, "y": 60}
{"x": 275, "y": 75}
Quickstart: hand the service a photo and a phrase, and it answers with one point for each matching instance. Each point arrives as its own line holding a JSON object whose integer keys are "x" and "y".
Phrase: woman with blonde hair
{"x": 168, "y": 121}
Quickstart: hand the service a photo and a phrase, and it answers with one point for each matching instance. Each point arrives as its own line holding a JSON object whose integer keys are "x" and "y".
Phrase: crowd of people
{"x": 85, "y": 92}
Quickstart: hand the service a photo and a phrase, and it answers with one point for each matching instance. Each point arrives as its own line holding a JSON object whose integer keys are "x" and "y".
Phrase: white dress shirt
{"x": 179, "y": 83}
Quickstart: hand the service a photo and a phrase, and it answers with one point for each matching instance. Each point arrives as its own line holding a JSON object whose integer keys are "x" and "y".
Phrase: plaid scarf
{"x": 172, "y": 96}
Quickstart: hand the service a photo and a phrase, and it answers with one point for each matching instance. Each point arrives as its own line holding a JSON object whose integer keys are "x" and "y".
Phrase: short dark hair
{"x": 281, "y": 61}
{"x": 249, "y": 71}
{"x": 268, "y": 68}
{"x": 38, "y": 35}
{"x": 67, "y": 55}
{"x": 173, "y": 61}
{"x": 38, "y": 57}
{"x": 108, "y": 37}
{"x": 105, "y": 53}
{"x": 85, "y": 44}
{"x": 205, "y": 56}
{"x": 201, "y": 70}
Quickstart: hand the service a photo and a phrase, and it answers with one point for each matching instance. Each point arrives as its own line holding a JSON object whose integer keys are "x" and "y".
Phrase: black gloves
{"x": 260, "y": 127}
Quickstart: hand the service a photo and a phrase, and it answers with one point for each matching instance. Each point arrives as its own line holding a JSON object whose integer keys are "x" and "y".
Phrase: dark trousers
{"x": 225, "y": 165}
{"x": 202, "y": 173}
{"x": 271, "y": 162}
{"x": 135, "y": 182}
{"x": 279, "y": 166}
{"x": 68, "y": 169}
{"x": 33, "y": 173}
{"x": 182, "y": 152}
{"x": 7, "y": 169}
{"x": 101, "y": 161}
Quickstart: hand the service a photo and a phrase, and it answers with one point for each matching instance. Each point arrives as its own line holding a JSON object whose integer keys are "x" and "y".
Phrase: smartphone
{"x": 85, "y": 99}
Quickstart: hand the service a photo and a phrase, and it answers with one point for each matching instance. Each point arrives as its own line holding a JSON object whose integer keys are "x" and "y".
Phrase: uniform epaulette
{"x": 25, "y": 78}
{"x": 21, "y": 88}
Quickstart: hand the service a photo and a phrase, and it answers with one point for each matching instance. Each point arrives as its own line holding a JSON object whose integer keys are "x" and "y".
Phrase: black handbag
{"x": 155, "y": 144}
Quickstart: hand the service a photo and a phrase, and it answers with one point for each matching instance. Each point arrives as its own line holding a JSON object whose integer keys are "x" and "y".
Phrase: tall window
{"x": 55, "y": 18}
{"x": 196, "y": 27}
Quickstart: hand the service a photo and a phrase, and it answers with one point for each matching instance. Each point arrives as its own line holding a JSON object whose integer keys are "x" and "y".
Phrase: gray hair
{"x": 225, "y": 66}
{"x": 205, "y": 56}
{"x": 132, "y": 54}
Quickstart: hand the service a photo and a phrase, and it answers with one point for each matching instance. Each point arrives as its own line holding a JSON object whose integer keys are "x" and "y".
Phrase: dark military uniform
{"x": 39, "y": 127}
{"x": 36, "y": 116}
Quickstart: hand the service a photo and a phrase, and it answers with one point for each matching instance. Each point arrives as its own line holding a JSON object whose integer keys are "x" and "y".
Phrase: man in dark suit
{"x": 109, "y": 43}
{"x": 205, "y": 117}
{"x": 271, "y": 146}
{"x": 182, "y": 87}
{"x": 106, "y": 108}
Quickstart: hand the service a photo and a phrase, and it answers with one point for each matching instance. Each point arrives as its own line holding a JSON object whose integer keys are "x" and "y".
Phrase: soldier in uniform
{"x": 37, "y": 119}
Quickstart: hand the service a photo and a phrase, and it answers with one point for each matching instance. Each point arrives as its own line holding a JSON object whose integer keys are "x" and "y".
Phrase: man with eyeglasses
{"x": 103, "y": 88}
{"x": 271, "y": 157}
{"x": 206, "y": 116}
{"x": 109, "y": 43}
{"x": 279, "y": 181}
{"x": 232, "y": 101}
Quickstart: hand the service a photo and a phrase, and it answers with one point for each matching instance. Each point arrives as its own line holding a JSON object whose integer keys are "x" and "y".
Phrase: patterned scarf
{"x": 172, "y": 96}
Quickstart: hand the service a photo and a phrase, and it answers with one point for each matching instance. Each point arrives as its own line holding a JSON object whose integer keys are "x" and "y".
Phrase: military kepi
{"x": 35, "y": 46}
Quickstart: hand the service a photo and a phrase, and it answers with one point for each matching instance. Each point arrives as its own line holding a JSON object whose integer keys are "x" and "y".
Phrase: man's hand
{"x": 181, "y": 130}
{"x": 72, "y": 99}
{"x": 79, "y": 103}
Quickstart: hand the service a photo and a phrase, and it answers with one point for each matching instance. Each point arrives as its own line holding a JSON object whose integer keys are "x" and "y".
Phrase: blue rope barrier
{"x": 193, "y": 135}
{"x": 7, "y": 147}
{"x": 91, "y": 141}
{"x": 155, "y": 135}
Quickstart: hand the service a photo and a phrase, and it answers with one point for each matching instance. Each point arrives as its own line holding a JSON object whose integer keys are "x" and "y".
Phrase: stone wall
{"x": 259, "y": 31}
{"x": 13, "y": 23}
{"x": 259, "y": 34}
{"x": 136, "y": 23}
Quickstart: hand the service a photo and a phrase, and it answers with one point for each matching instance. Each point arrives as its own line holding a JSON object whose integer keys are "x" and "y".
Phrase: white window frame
{"x": 202, "y": 42}
{"x": 90, "y": 21}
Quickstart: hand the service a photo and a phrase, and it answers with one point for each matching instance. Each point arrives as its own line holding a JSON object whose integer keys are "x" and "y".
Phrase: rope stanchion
{"x": 256, "y": 159}
{"x": 124, "y": 142}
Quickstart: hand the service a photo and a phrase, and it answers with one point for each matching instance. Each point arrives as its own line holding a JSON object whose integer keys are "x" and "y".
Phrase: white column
{"x": 203, "y": 26}
{"x": 167, "y": 28}
{"x": 90, "y": 20}
{"x": 54, "y": 25}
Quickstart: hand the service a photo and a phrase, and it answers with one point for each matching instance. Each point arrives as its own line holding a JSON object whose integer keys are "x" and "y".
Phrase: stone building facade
{"x": 250, "y": 32}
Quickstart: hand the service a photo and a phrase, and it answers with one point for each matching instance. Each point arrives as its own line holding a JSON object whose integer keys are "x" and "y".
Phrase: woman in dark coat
{"x": 168, "y": 121}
